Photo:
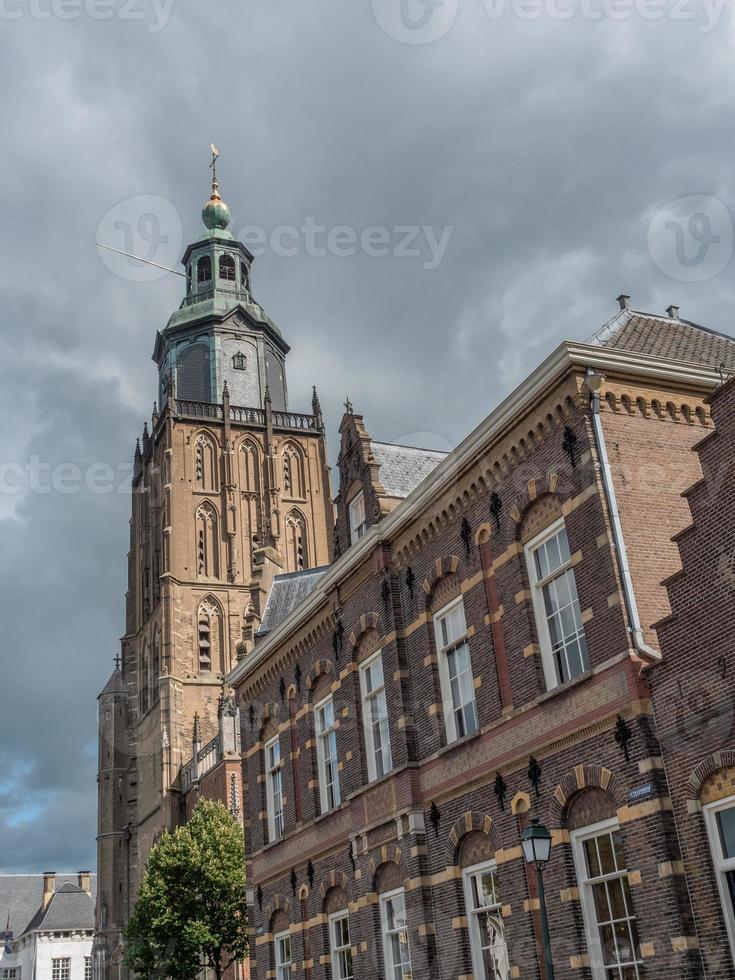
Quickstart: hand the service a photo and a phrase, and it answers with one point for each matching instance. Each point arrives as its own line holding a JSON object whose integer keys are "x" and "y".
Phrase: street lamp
{"x": 536, "y": 841}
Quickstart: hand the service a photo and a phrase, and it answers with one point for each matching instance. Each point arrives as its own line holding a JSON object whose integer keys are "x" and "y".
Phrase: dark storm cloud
{"x": 545, "y": 144}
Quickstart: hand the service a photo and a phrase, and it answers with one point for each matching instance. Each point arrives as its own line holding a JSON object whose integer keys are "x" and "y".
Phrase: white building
{"x": 46, "y": 926}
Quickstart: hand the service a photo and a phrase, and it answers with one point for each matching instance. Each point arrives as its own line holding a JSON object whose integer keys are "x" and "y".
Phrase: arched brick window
{"x": 297, "y": 557}
{"x": 207, "y": 541}
{"x": 205, "y": 463}
{"x": 209, "y": 637}
{"x": 293, "y": 472}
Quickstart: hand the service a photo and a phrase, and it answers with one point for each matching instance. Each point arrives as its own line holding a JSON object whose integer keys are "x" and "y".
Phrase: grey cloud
{"x": 548, "y": 146}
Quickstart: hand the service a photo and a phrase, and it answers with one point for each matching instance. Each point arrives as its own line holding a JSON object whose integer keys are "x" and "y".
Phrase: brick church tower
{"x": 230, "y": 488}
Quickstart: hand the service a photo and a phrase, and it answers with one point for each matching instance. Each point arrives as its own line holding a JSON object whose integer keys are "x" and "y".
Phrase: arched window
{"x": 296, "y": 545}
{"x": 205, "y": 463}
{"x": 483, "y": 906}
{"x": 207, "y": 542}
{"x": 293, "y": 472}
{"x": 156, "y": 672}
{"x": 193, "y": 378}
{"x": 250, "y": 462}
{"x": 209, "y": 638}
{"x": 144, "y": 679}
{"x": 227, "y": 268}
{"x": 188, "y": 279}
{"x": 244, "y": 277}
{"x": 204, "y": 269}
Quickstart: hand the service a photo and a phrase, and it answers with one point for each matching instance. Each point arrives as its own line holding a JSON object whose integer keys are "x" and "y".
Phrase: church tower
{"x": 230, "y": 488}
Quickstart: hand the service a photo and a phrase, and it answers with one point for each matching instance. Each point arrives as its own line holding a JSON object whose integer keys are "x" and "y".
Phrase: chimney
{"x": 83, "y": 878}
{"x": 624, "y": 301}
{"x": 49, "y": 886}
{"x": 673, "y": 312}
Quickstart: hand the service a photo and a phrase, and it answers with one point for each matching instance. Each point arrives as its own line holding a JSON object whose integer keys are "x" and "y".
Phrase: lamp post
{"x": 536, "y": 841}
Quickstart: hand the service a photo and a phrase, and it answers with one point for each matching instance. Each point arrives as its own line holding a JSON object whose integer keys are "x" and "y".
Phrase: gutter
{"x": 648, "y": 653}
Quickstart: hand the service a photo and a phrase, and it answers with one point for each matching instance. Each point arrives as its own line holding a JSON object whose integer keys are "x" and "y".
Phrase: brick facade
{"x": 446, "y": 805}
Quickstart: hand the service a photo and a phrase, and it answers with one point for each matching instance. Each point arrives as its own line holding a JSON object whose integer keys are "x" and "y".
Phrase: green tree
{"x": 191, "y": 908}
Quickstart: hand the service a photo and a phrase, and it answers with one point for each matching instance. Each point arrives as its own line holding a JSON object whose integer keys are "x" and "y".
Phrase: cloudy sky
{"x": 516, "y": 164}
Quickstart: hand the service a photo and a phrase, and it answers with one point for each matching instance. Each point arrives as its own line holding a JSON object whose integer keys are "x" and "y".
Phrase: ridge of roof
{"x": 403, "y": 445}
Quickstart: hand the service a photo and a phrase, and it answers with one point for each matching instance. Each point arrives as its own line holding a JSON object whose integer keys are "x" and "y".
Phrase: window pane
{"x": 607, "y": 858}
{"x": 726, "y": 827}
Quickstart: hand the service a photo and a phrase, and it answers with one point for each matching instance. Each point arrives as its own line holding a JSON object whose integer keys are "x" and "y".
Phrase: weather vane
{"x": 213, "y": 165}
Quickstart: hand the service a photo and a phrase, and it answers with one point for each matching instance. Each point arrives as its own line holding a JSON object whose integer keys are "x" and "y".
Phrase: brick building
{"x": 693, "y": 692}
{"x": 476, "y": 655}
{"x": 230, "y": 488}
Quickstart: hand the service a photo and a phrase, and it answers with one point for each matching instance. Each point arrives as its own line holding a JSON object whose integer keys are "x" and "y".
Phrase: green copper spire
{"x": 215, "y": 214}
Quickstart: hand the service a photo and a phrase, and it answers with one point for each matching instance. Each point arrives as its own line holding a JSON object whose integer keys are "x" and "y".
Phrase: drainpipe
{"x": 594, "y": 382}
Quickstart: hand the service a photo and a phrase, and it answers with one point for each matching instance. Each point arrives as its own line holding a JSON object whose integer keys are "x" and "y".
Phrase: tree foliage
{"x": 191, "y": 907}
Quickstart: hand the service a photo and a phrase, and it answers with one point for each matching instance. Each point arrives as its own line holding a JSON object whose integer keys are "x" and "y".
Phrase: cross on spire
{"x": 117, "y": 662}
{"x": 213, "y": 166}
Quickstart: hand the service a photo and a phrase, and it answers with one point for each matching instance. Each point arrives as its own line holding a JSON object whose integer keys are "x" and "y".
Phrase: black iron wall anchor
{"x": 569, "y": 445}
{"x": 496, "y": 506}
{"x": 297, "y": 676}
{"x": 534, "y": 774}
{"x": 310, "y": 874}
{"x": 435, "y": 818}
{"x": 282, "y": 690}
{"x": 294, "y": 880}
{"x": 466, "y": 535}
{"x": 251, "y": 715}
{"x": 338, "y": 639}
{"x": 410, "y": 580}
{"x": 623, "y": 736}
{"x": 259, "y": 896}
{"x": 501, "y": 788}
{"x": 385, "y": 591}
{"x": 351, "y": 855}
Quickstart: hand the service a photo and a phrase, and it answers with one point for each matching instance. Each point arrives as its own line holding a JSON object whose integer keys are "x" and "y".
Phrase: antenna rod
{"x": 138, "y": 259}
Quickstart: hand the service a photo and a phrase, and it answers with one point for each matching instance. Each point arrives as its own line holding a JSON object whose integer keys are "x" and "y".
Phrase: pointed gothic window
{"x": 227, "y": 268}
{"x": 205, "y": 464}
{"x": 156, "y": 666}
{"x": 207, "y": 542}
{"x": 204, "y": 269}
{"x": 209, "y": 637}
{"x": 296, "y": 547}
{"x": 250, "y": 467}
{"x": 144, "y": 679}
{"x": 293, "y": 473}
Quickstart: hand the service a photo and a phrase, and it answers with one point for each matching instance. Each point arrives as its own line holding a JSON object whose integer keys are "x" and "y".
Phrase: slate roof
{"x": 115, "y": 685}
{"x": 680, "y": 340}
{"x": 21, "y": 896}
{"x": 286, "y": 593}
{"x": 402, "y": 468}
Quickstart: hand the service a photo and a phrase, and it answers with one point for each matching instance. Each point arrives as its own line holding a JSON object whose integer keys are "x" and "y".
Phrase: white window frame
{"x": 356, "y": 508}
{"x": 283, "y": 966}
{"x": 445, "y": 682}
{"x": 721, "y": 864}
{"x": 390, "y": 966}
{"x": 273, "y": 774}
{"x": 335, "y": 950}
{"x": 589, "y": 914}
{"x": 87, "y": 968}
{"x": 368, "y": 723}
{"x": 539, "y": 608}
{"x": 478, "y": 966}
{"x": 323, "y": 738}
{"x": 63, "y": 970}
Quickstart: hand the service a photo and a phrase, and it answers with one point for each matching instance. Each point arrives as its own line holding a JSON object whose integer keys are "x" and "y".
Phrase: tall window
{"x": 293, "y": 473}
{"x": 485, "y": 923}
{"x": 208, "y": 638}
{"x": 144, "y": 679}
{"x": 607, "y": 907}
{"x": 296, "y": 549}
{"x": 455, "y": 671}
{"x": 205, "y": 464}
{"x": 720, "y": 820}
{"x": 60, "y": 968}
{"x": 87, "y": 968}
{"x": 340, "y": 947}
{"x": 375, "y": 717}
{"x": 394, "y": 926}
{"x": 204, "y": 269}
{"x": 326, "y": 735}
{"x": 10, "y": 972}
{"x": 274, "y": 788}
{"x": 556, "y": 606}
{"x": 207, "y": 544}
{"x": 227, "y": 268}
{"x": 358, "y": 522}
{"x": 282, "y": 942}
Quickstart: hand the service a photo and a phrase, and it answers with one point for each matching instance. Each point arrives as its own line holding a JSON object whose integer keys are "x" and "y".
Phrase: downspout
{"x": 648, "y": 653}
